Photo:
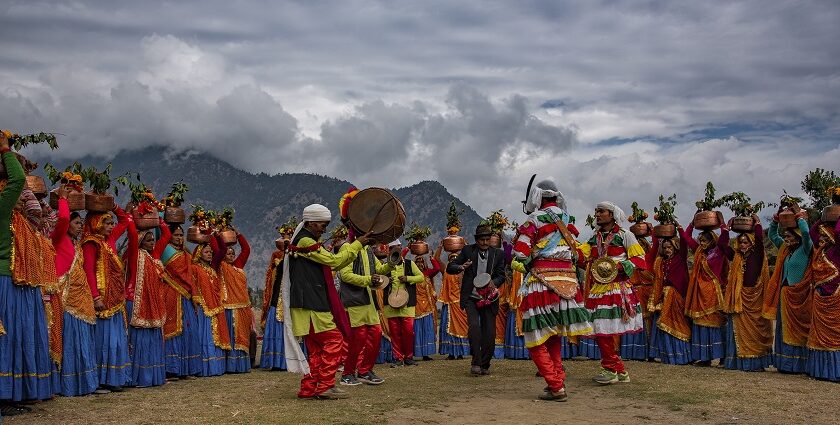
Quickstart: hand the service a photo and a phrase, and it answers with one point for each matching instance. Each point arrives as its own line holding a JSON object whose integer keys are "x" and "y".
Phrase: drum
{"x": 378, "y": 211}
{"x": 398, "y": 298}
{"x": 481, "y": 280}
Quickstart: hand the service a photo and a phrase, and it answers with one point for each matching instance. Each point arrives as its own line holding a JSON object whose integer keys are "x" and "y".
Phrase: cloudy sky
{"x": 615, "y": 100}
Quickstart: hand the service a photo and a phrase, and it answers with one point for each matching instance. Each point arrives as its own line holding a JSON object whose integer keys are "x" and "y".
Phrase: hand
{"x": 756, "y": 220}
{"x": 365, "y": 239}
{"x": 466, "y": 265}
{"x": 403, "y": 279}
{"x": 491, "y": 285}
{"x": 720, "y": 217}
{"x": 729, "y": 223}
{"x": 62, "y": 192}
{"x": 98, "y": 305}
{"x": 375, "y": 279}
{"x": 776, "y": 218}
{"x": 4, "y": 142}
{"x": 130, "y": 207}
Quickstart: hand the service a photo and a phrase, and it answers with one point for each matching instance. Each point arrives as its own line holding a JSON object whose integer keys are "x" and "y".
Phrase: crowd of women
{"x": 80, "y": 316}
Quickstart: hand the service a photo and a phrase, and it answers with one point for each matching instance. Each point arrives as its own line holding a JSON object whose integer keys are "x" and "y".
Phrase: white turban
{"x": 618, "y": 213}
{"x": 395, "y": 242}
{"x": 543, "y": 189}
{"x": 316, "y": 212}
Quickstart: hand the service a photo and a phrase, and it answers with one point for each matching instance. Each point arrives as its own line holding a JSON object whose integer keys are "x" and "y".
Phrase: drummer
{"x": 313, "y": 307}
{"x": 400, "y": 310}
{"x": 356, "y": 287}
{"x": 482, "y": 266}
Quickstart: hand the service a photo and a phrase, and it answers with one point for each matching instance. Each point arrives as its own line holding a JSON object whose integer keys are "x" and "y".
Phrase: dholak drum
{"x": 378, "y": 211}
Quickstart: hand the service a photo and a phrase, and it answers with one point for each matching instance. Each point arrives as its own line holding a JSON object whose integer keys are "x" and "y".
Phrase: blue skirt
{"x": 451, "y": 345}
{"x": 823, "y": 365}
{"x": 25, "y": 364}
{"x": 425, "y": 337}
{"x": 272, "y": 354}
{"x": 183, "y": 352}
{"x": 567, "y": 349}
{"x": 212, "y": 356}
{"x": 747, "y": 364}
{"x": 236, "y": 361}
{"x": 706, "y": 343}
{"x": 514, "y": 344}
{"x": 145, "y": 346}
{"x": 635, "y": 346}
{"x": 787, "y": 358}
{"x": 79, "y": 374}
{"x": 386, "y": 354}
{"x": 111, "y": 343}
{"x": 666, "y": 347}
{"x": 587, "y": 347}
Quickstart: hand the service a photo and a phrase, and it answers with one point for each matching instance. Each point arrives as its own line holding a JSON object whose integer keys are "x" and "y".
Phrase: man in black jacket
{"x": 473, "y": 260}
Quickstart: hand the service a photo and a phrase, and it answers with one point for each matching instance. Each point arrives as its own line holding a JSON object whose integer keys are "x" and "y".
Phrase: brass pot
{"x": 453, "y": 243}
{"x": 831, "y": 213}
{"x": 787, "y": 219}
{"x": 742, "y": 224}
{"x": 195, "y": 235}
{"x": 641, "y": 229}
{"x": 228, "y": 236}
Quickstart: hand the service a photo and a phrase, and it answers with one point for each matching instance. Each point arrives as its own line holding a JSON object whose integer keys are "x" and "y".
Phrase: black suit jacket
{"x": 495, "y": 266}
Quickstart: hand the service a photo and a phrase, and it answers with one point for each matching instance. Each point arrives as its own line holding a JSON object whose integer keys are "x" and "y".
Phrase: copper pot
{"x": 641, "y": 229}
{"x": 706, "y": 220}
{"x": 174, "y": 215}
{"x": 228, "y": 236}
{"x": 831, "y": 213}
{"x": 97, "y": 203}
{"x": 37, "y": 186}
{"x": 787, "y": 219}
{"x": 75, "y": 200}
{"x": 664, "y": 231}
{"x": 742, "y": 224}
{"x": 195, "y": 235}
{"x": 453, "y": 243}
{"x": 146, "y": 221}
{"x": 418, "y": 248}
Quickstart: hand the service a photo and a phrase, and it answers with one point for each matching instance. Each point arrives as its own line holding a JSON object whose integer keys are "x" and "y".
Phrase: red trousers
{"x": 610, "y": 360}
{"x": 402, "y": 337}
{"x": 364, "y": 347}
{"x": 549, "y": 361}
{"x": 325, "y": 350}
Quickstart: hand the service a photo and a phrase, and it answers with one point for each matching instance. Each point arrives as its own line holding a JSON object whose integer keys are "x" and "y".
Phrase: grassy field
{"x": 442, "y": 391}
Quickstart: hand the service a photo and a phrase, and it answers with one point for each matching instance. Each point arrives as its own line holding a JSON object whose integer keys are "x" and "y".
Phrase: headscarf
{"x": 49, "y": 218}
{"x": 93, "y": 223}
{"x": 315, "y": 212}
{"x": 543, "y": 189}
{"x": 618, "y": 213}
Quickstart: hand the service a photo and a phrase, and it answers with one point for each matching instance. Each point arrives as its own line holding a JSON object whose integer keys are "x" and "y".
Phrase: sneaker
{"x": 553, "y": 396}
{"x": 606, "y": 377}
{"x": 370, "y": 378}
{"x": 409, "y": 362}
{"x": 349, "y": 380}
{"x": 475, "y": 370}
{"x": 624, "y": 377}
{"x": 332, "y": 394}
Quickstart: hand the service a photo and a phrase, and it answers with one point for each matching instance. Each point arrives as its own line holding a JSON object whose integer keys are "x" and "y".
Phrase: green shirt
{"x": 363, "y": 314}
{"x": 415, "y": 278}
{"x": 8, "y": 199}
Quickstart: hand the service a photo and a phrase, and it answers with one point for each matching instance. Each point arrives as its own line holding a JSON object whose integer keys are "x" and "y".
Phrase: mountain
{"x": 262, "y": 202}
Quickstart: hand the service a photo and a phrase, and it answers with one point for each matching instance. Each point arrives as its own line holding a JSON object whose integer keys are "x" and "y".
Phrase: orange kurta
{"x": 795, "y": 301}
{"x": 704, "y": 295}
{"x": 110, "y": 277}
{"x": 235, "y": 297}
{"x": 149, "y": 310}
{"x": 669, "y": 303}
{"x": 33, "y": 256}
{"x": 208, "y": 290}
{"x": 824, "y": 333}
{"x": 274, "y": 265}
{"x": 753, "y": 333}
{"x": 450, "y": 294}
{"x": 178, "y": 278}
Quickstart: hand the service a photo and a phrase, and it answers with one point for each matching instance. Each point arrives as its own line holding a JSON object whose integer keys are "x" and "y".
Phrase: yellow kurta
{"x": 363, "y": 314}
{"x": 396, "y": 272}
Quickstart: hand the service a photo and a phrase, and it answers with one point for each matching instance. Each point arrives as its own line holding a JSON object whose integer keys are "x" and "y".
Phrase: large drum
{"x": 378, "y": 211}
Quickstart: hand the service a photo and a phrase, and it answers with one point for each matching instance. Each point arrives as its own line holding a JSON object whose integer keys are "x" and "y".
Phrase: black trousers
{"x": 482, "y": 332}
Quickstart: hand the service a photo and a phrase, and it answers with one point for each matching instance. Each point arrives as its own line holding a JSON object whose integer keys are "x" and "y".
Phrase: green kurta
{"x": 415, "y": 278}
{"x": 364, "y": 314}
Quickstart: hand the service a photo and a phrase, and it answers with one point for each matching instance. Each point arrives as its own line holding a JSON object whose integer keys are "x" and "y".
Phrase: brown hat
{"x": 483, "y": 230}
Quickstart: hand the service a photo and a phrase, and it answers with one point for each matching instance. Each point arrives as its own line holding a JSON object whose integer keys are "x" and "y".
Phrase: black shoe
{"x": 370, "y": 378}
{"x": 396, "y": 364}
{"x": 450, "y": 357}
{"x": 553, "y": 396}
{"x": 427, "y": 358}
{"x": 538, "y": 375}
{"x": 475, "y": 370}
{"x": 485, "y": 371}
{"x": 460, "y": 357}
{"x": 349, "y": 380}
{"x": 409, "y": 362}
{"x": 14, "y": 409}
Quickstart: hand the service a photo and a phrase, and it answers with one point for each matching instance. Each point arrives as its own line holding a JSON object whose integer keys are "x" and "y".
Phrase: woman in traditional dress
{"x": 425, "y": 315}
{"x": 106, "y": 277}
{"x": 788, "y": 295}
{"x": 704, "y": 297}
{"x": 824, "y": 336}
{"x": 749, "y": 336}
{"x": 670, "y": 335}
{"x": 237, "y": 302}
{"x": 454, "y": 342}
{"x": 636, "y": 346}
{"x": 144, "y": 306}
{"x": 514, "y": 338}
{"x": 271, "y": 357}
{"x": 181, "y": 341}
{"x": 211, "y": 323}
{"x": 78, "y": 374}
